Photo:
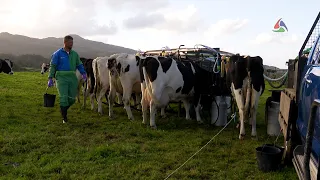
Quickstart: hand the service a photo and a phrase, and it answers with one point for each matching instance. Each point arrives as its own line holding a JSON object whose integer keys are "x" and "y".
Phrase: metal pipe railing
{"x": 309, "y": 138}
{"x": 302, "y": 64}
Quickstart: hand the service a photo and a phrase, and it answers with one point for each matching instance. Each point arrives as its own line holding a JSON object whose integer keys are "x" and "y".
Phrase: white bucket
{"x": 222, "y": 108}
{"x": 228, "y": 101}
{"x": 273, "y": 127}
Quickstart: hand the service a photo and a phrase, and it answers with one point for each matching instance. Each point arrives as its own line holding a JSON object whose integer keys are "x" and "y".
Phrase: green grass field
{"x": 35, "y": 144}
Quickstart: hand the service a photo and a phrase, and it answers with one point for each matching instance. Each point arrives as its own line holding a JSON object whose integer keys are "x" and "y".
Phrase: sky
{"x": 237, "y": 26}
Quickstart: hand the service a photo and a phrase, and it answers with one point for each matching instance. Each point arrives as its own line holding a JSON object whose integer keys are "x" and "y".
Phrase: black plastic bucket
{"x": 269, "y": 157}
{"x": 280, "y": 147}
{"x": 49, "y": 100}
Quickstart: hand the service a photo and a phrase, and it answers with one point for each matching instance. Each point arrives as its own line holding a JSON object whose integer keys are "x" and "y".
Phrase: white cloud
{"x": 263, "y": 38}
{"x": 273, "y": 37}
{"x": 225, "y": 27}
{"x": 145, "y": 5}
{"x": 177, "y": 21}
{"x": 53, "y": 18}
{"x": 141, "y": 21}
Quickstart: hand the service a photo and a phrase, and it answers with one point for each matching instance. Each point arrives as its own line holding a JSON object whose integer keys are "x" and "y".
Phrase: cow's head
{"x": 114, "y": 63}
{"x": 83, "y": 60}
{"x": 140, "y": 61}
{"x": 88, "y": 66}
{"x": 6, "y": 66}
{"x": 114, "y": 66}
{"x": 255, "y": 64}
{"x": 44, "y": 68}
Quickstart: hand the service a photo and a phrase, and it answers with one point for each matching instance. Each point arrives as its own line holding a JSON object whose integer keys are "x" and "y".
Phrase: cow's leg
{"x": 92, "y": 96}
{"x": 111, "y": 97}
{"x": 240, "y": 104}
{"x": 78, "y": 93}
{"x": 163, "y": 113}
{"x": 253, "y": 110}
{"x": 101, "y": 95}
{"x": 247, "y": 97}
{"x": 126, "y": 99}
{"x": 144, "y": 105}
{"x": 153, "y": 114}
{"x": 186, "y": 105}
{"x": 85, "y": 95}
{"x": 89, "y": 92}
{"x": 119, "y": 98}
{"x": 134, "y": 98}
{"x": 197, "y": 107}
{"x": 138, "y": 100}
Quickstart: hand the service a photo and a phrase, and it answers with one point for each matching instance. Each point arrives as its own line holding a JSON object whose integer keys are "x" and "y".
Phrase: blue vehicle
{"x": 299, "y": 115}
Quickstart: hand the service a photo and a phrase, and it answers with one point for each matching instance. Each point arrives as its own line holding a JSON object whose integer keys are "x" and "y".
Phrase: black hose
{"x": 217, "y": 109}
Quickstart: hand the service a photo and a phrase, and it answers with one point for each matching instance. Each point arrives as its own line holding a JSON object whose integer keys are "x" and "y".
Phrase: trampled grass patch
{"x": 36, "y": 145}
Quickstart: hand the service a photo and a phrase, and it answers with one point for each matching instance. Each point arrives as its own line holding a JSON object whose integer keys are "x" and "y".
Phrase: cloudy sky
{"x": 239, "y": 26}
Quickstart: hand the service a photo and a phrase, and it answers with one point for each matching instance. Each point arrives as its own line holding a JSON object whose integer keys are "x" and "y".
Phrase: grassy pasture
{"x": 34, "y": 144}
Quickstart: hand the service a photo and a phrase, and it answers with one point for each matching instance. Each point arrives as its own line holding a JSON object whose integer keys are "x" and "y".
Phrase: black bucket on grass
{"x": 269, "y": 157}
{"x": 49, "y": 100}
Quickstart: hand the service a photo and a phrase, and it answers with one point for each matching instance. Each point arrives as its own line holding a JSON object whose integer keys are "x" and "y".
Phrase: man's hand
{"x": 50, "y": 82}
{"x": 84, "y": 77}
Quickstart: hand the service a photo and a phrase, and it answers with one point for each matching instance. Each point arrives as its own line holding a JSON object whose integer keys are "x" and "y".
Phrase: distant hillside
{"x": 20, "y": 45}
{"x": 37, "y": 50}
{"x": 32, "y": 52}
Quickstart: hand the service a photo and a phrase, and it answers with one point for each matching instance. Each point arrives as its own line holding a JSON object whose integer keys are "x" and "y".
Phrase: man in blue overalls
{"x": 63, "y": 65}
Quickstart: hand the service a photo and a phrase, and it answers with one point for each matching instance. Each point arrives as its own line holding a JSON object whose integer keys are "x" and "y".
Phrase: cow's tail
{"x": 97, "y": 80}
{"x": 148, "y": 85}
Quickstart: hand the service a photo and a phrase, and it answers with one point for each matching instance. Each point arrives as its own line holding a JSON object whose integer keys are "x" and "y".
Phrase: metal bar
{"x": 301, "y": 65}
{"x": 309, "y": 137}
{"x": 309, "y": 34}
{"x": 299, "y": 57}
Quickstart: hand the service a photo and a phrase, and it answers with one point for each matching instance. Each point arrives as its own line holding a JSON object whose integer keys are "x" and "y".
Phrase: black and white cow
{"x": 89, "y": 89}
{"x": 44, "y": 67}
{"x": 245, "y": 78}
{"x": 124, "y": 68}
{"x": 164, "y": 79}
{"x": 102, "y": 81}
{"x": 6, "y": 66}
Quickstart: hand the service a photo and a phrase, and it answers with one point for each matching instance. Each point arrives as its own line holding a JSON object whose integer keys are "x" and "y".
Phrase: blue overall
{"x": 63, "y": 67}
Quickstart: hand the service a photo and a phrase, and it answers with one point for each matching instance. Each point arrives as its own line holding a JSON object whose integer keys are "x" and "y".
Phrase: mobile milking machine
{"x": 210, "y": 60}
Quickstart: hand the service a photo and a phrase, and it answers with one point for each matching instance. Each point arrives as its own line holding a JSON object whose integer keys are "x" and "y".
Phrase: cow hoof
{"x": 237, "y": 126}
{"x": 254, "y": 137}
{"x": 241, "y": 136}
{"x": 143, "y": 122}
{"x": 154, "y": 127}
{"x": 163, "y": 117}
{"x": 200, "y": 122}
{"x": 111, "y": 117}
{"x": 131, "y": 119}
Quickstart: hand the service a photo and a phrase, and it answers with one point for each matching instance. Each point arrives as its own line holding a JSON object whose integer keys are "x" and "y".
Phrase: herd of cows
{"x": 155, "y": 81}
